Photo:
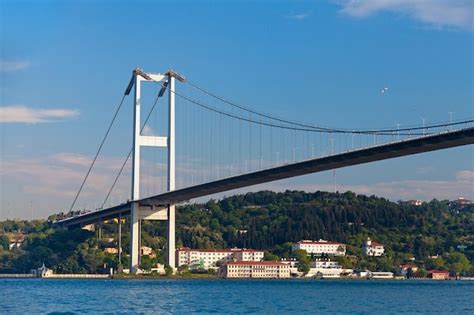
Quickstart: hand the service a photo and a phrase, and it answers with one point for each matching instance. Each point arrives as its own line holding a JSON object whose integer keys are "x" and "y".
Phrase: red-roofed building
{"x": 209, "y": 258}
{"x": 254, "y": 269}
{"x": 371, "y": 248}
{"x": 320, "y": 247}
{"x": 438, "y": 274}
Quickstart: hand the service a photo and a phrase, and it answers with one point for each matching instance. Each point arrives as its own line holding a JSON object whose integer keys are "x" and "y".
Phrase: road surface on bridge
{"x": 444, "y": 140}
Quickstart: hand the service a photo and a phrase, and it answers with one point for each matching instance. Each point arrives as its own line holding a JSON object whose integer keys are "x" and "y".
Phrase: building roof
{"x": 212, "y": 250}
{"x": 462, "y": 200}
{"x": 408, "y": 266}
{"x": 439, "y": 271}
{"x": 320, "y": 242}
{"x": 373, "y": 244}
{"x": 264, "y": 263}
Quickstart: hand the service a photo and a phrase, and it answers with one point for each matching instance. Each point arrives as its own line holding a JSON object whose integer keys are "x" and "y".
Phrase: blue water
{"x": 21, "y": 296}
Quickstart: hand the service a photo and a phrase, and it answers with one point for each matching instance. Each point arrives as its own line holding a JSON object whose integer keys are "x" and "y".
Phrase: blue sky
{"x": 65, "y": 64}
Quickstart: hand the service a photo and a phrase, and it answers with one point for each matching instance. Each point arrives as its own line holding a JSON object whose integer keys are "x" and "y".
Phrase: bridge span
{"x": 246, "y": 133}
{"x": 444, "y": 140}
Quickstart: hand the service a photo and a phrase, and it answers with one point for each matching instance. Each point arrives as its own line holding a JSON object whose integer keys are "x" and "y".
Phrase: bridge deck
{"x": 376, "y": 153}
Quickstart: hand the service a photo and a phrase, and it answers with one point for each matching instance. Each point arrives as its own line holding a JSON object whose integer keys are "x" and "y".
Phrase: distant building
{"x": 254, "y": 269}
{"x": 293, "y": 264}
{"x": 147, "y": 251}
{"x": 210, "y": 258}
{"x": 459, "y": 203}
{"x": 371, "y": 248}
{"x": 438, "y": 274}
{"x": 414, "y": 202}
{"x": 381, "y": 275}
{"x": 16, "y": 240}
{"x": 325, "y": 268}
{"x": 111, "y": 250}
{"x": 159, "y": 269}
{"x": 462, "y": 201}
{"x": 320, "y": 247}
{"x": 42, "y": 272}
{"x": 361, "y": 274}
{"x": 325, "y": 263}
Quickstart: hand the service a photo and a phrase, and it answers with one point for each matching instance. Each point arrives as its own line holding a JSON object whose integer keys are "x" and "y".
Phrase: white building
{"x": 381, "y": 275}
{"x": 371, "y": 248}
{"x": 42, "y": 272}
{"x": 325, "y": 263}
{"x": 209, "y": 258}
{"x": 254, "y": 269}
{"x": 320, "y": 247}
{"x": 325, "y": 268}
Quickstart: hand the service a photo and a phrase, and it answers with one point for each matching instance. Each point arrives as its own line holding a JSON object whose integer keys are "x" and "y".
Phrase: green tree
{"x": 146, "y": 263}
{"x": 267, "y": 256}
{"x": 168, "y": 270}
{"x": 437, "y": 263}
{"x": 183, "y": 269}
{"x": 457, "y": 263}
{"x": 303, "y": 260}
{"x": 344, "y": 261}
{"x": 422, "y": 273}
{"x": 4, "y": 242}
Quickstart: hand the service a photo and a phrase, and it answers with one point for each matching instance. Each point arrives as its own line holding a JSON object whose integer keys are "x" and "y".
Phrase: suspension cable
{"x": 98, "y": 151}
{"x": 319, "y": 128}
{"x": 384, "y": 132}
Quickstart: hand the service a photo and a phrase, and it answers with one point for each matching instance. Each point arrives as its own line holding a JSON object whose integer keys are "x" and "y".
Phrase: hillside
{"x": 269, "y": 221}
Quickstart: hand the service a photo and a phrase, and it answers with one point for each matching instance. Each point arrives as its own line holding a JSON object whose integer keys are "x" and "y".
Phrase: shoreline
{"x": 203, "y": 277}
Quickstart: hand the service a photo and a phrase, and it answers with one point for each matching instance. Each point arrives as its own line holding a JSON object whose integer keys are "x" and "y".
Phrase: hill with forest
{"x": 432, "y": 235}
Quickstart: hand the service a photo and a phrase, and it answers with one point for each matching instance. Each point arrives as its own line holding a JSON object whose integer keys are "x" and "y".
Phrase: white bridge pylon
{"x": 139, "y": 212}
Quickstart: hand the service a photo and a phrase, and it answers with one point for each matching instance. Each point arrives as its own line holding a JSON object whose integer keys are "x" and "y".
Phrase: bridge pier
{"x": 171, "y": 243}
{"x": 136, "y": 213}
{"x": 134, "y": 237}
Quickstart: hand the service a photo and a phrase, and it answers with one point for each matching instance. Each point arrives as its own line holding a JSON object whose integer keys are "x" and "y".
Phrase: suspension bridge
{"x": 212, "y": 145}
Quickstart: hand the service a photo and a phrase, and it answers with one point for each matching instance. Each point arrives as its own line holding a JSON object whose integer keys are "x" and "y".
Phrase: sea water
{"x": 112, "y": 296}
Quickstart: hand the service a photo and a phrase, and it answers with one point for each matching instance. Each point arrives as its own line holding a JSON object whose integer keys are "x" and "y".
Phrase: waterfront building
{"x": 320, "y": 247}
{"x": 381, "y": 275}
{"x": 211, "y": 258}
{"x": 42, "y": 272}
{"x": 325, "y": 264}
{"x": 293, "y": 264}
{"x": 325, "y": 268}
{"x": 438, "y": 274}
{"x": 361, "y": 274}
{"x": 254, "y": 269}
{"x": 159, "y": 269}
{"x": 371, "y": 248}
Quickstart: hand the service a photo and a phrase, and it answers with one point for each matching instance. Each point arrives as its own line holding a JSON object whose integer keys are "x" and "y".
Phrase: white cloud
{"x": 148, "y": 131}
{"x": 465, "y": 175}
{"x": 55, "y": 179}
{"x": 72, "y": 158}
{"x": 12, "y": 66}
{"x": 440, "y": 13}
{"x": 23, "y": 114}
{"x": 298, "y": 16}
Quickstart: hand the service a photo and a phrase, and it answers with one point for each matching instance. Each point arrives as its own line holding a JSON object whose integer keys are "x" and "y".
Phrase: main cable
{"x": 98, "y": 152}
{"x": 371, "y": 132}
{"x": 319, "y": 128}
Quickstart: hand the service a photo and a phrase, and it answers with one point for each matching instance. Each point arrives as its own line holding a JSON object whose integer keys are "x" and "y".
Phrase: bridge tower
{"x": 142, "y": 212}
